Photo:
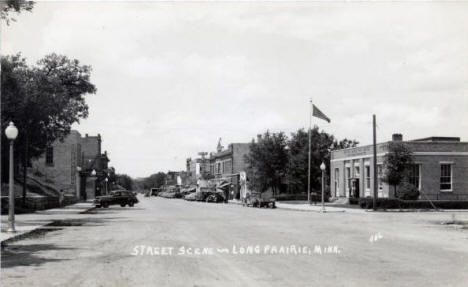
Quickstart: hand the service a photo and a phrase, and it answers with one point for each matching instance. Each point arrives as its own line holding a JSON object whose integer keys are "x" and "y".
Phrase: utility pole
{"x": 310, "y": 147}
{"x": 374, "y": 201}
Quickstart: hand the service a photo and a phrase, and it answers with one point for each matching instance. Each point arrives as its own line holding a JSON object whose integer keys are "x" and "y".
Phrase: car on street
{"x": 256, "y": 199}
{"x": 116, "y": 197}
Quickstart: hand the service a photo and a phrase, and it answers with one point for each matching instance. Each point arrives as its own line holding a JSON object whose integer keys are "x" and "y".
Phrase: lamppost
{"x": 288, "y": 151}
{"x": 322, "y": 168}
{"x": 107, "y": 189}
{"x": 11, "y": 133}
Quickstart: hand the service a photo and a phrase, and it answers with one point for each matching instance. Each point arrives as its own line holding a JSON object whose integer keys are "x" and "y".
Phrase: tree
{"x": 267, "y": 162}
{"x": 124, "y": 180}
{"x": 8, "y": 6}
{"x": 154, "y": 181}
{"x": 396, "y": 161}
{"x": 321, "y": 145}
{"x": 43, "y": 101}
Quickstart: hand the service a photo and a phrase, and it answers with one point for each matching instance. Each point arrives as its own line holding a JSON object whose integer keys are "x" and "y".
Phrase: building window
{"x": 50, "y": 156}
{"x": 380, "y": 176}
{"x": 367, "y": 168}
{"x": 414, "y": 175}
{"x": 337, "y": 181}
{"x": 218, "y": 171}
{"x": 446, "y": 177}
{"x": 356, "y": 172}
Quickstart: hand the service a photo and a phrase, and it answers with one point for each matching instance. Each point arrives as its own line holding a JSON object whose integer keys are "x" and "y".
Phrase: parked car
{"x": 255, "y": 199}
{"x": 191, "y": 196}
{"x": 121, "y": 197}
{"x": 215, "y": 197}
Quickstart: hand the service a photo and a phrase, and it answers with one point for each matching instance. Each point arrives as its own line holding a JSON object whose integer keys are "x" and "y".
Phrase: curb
{"x": 20, "y": 236}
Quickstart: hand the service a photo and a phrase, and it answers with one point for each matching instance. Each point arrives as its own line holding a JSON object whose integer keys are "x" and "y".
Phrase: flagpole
{"x": 308, "y": 174}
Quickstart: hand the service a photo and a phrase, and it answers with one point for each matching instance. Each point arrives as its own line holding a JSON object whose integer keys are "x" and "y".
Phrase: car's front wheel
{"x": 131, "y": 204}
{"x": 122, "y": 204}
{"x": 105, "y": 205}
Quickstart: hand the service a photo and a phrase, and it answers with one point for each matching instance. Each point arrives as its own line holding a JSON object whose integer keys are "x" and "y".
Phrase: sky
{"x": 172, "y": 78}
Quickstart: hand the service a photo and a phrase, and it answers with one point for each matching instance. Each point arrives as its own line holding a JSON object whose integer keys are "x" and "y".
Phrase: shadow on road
{"x": 25, "y": 255}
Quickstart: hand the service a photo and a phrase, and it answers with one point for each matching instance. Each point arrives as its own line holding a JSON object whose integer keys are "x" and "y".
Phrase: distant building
{"x": 440, "y": 169}
{"x": 197, "y": 168}
{"x": 227, "y": 164}
{"x": 68, "y": 165}
{"x": 177, "y": 178}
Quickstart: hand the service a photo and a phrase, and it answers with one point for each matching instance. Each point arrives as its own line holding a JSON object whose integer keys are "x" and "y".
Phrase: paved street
{"x": 98, "y": 248}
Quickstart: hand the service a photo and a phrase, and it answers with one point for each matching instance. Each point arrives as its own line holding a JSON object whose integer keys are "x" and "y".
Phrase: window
{"x": 337, "y": 181}
{"x": 367, "y": 168}
{"x": 50, "y": 156}
{"x": 446, "y": 177}
{"x": 414, "y": 175}
{"x": 356, "y": 172}
{"x": 218, "y": 171}
{"x": 380, "y": 176}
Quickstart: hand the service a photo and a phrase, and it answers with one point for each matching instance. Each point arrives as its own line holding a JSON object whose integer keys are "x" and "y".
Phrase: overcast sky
{"x": 174, "y": 77}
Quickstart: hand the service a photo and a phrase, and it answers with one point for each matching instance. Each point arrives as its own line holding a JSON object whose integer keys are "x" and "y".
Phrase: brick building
{"x": 69, "y": 164}
{"x": 227, "y": 164}
{"x": 439, "y": 170}
{"x": 57, "y": 166}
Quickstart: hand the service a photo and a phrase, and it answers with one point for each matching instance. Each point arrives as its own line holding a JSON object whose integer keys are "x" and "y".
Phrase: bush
{"x": 383, "y": 203}
{"x": 407, "y": 191}
{"x": 291, "y": 196}
{"x": 395, "y": 203}
{"x": 353, "y": 200}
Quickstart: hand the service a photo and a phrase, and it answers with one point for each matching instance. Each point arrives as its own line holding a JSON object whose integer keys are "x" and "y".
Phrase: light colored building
{"x": 68, "y": 165}
{"x": 440, "y": 169}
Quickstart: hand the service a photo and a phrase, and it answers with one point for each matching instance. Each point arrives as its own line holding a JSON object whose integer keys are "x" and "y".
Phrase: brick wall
{"x": 62, "y": 173}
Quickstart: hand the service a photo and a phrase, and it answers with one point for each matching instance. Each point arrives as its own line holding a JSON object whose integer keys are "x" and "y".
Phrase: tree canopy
{"x": 43, "y": 100}
{"x": 321, "y": 145}
{"x": 396, "y": 161}
{"x": 267, "y": 161}
{"x": 8, "y": 6}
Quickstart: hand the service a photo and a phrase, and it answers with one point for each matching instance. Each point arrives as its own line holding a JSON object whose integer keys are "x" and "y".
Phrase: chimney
{"x": 397, "y": 137}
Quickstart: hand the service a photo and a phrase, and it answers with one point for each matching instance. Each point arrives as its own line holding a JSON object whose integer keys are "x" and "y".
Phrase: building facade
{"x": 439, "y": 170}
{"x": 74, "y": 165}
{"x": 227, "y": 165}
{"x": 196, "y": 168}
{"x": 58, "y": 165}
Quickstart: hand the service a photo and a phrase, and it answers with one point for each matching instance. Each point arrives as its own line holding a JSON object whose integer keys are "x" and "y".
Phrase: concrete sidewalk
{"x": 307, "y": 207}
{"x": 317, "y": 208}
{"x": 28, "y": 222}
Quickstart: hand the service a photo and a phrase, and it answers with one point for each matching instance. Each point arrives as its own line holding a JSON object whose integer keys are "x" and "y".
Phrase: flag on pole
{"x": 318, "y": 114}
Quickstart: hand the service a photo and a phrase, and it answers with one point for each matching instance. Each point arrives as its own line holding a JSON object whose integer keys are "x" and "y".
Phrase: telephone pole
{"x": 374, "y": 201}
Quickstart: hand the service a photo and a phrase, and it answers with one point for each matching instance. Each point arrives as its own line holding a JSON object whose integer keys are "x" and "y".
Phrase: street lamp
{"x": 288, "y": 151}
{"x": 93, "y": 172}
{"x": 107, "y": 189}
{"x": 322, "y": 168}
{"x": 11, "y": 133}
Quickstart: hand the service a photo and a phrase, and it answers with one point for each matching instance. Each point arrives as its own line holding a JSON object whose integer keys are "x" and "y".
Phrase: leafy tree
{"x": 396, "y": 161}
{"x": 267, "y": 162}
{"x": 43, "y": 101}
{"x": 321, "y": 145}
{"x": 124, "y": 180}
{"x": 8, "y": 6}
{"x": 154, "y": 181}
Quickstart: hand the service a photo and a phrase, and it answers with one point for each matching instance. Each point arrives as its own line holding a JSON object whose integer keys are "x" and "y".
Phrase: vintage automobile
{"x": 116, "y": 197}
{"x": 215, "y": 197}
{"x": 255, "y": 199}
